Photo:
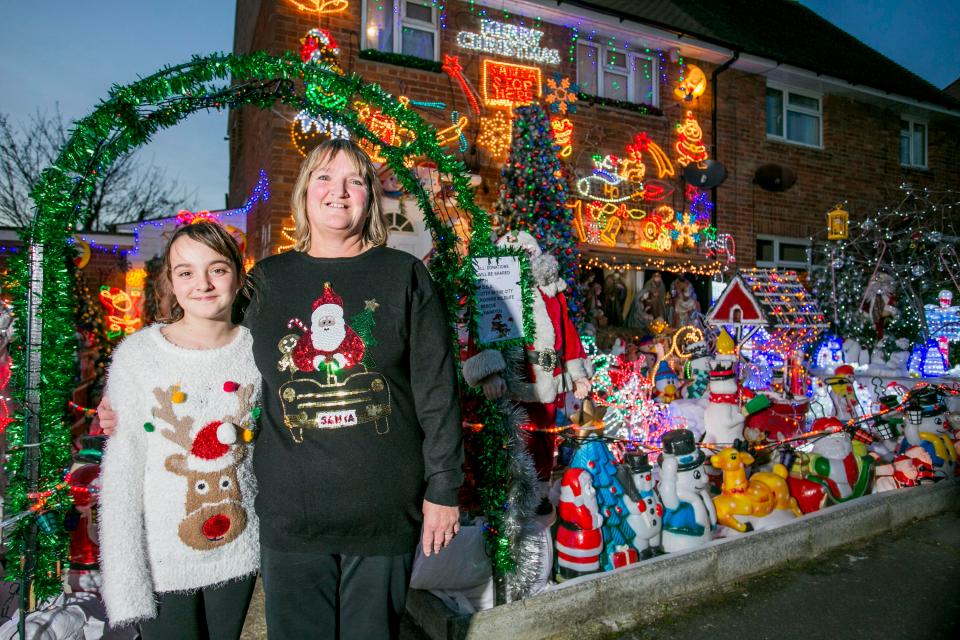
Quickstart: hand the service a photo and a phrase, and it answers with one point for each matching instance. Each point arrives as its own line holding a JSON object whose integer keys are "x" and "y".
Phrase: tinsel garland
{"x": 127, "y": 119}
{"x": 400, "y": 60}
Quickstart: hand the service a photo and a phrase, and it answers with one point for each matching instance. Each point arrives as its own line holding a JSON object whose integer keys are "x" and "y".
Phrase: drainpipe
{"x": 713, "y": 89}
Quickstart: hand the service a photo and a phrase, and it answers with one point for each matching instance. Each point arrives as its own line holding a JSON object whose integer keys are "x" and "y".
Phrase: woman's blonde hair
{"x": 213, "y": 236}
{"x": 375, "y": 228}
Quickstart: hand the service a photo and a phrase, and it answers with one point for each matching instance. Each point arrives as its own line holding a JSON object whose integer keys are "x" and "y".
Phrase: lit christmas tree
{"x": 533, "y": 192}
{"x": 876, "y": 282}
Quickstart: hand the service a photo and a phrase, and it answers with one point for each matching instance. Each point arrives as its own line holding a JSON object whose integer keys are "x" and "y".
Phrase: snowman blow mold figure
{"x": 689, "y": 515}
{"x": 927, "y": 426}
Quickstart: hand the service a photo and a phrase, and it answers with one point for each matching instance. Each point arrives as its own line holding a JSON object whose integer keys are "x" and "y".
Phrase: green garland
{"x": 129, "y": 118}
{"x": 400, "y": 60}
{"x": 642, "y": 109}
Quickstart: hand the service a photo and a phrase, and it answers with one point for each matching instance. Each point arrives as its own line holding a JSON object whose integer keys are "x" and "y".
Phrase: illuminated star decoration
{"x": 562, "y": 96}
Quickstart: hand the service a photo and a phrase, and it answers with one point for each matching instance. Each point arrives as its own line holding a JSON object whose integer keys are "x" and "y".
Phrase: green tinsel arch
{"x": 127, "y": 119}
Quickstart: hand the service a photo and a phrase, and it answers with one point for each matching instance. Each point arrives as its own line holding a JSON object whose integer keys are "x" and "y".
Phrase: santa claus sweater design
{"x": 360, "y": 420}
{"x": 176, "y": 503}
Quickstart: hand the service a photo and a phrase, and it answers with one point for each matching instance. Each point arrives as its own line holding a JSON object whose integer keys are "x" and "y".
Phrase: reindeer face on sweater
{"x": 215, "y": 515}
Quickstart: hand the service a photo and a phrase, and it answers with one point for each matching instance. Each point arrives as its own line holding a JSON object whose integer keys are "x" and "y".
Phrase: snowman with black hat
{"x": 689, "y": 516}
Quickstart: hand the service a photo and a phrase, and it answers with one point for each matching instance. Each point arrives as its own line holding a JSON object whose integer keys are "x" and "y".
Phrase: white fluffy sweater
{"x": 176, "y": 504}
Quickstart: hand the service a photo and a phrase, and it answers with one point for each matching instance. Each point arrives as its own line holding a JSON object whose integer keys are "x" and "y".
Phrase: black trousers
{"x": 317, "y": 595}
{"x": 211, "y": 613}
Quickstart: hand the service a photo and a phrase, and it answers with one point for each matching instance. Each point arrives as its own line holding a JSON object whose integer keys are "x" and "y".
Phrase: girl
{"x": 178, "y": 533}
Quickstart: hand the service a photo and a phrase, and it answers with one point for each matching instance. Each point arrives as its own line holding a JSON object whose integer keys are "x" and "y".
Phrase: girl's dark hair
{"x": 213, "y": 236}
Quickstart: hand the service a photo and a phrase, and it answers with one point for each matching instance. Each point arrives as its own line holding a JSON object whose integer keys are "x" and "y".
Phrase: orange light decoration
{"x": 381, "y": 125}
{"x": 320, "y": 7}
{"x": 452, "y": 67}
{"x": 453, "y": 132}
{"x": 496, "y": 133}
{"x": 306, "y": 131}
{"x": 510, "y": 85}
{"x": 838, "y": 224}
{"x": 689, "y": 145}
{"x": 643, "y": 144}
{"x": 83, "y": 252}
{"x": 248, "y": 264}
{"x": 287, "y": 230}
{"x": 687, "y": 229}
{"x": 123, "y": 316}
{"x": 135, "y": 278}
{"x": 655, "y": 264}
{"x": 563, "y": 135}
{"x": 693, "y": 85}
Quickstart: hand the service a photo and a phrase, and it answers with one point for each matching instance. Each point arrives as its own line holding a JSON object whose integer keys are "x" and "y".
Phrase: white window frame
{"x": 926, "y": 143}
{"x": 601, "y": 52}
{"x": 400, "y": 20}
{"x": 777, "y": 263}
{"x": 786, "y": 91}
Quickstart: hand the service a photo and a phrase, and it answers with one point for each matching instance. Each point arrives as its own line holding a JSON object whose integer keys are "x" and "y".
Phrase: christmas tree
{"x": 533, "y": 191}
{"x": 895, "y": 260}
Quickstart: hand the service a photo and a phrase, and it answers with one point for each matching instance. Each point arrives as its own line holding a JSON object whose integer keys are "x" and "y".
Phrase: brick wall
{"x": 859, "y": 162}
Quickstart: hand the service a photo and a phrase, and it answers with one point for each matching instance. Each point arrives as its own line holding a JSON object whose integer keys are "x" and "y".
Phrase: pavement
{"x": 901, "y": 584}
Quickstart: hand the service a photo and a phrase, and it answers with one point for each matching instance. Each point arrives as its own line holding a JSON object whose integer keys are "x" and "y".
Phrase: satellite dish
{"x": 774, "y": 177}
{"x": 710, "y": 175}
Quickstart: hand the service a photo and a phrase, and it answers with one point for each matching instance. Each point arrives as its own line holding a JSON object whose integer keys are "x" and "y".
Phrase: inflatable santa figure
{"x": 328, "y": 340}
{"x": 579, "y": 539}
{"x": 555, "y": 362}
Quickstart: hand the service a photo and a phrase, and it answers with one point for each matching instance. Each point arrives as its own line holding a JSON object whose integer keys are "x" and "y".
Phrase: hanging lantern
{"x": 837, "y": 221}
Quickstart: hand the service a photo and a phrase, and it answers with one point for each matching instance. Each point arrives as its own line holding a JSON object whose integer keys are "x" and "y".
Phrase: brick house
{"x": 783, "y": 91}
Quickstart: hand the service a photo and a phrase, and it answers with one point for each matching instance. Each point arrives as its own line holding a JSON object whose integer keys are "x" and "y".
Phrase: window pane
{"x": 804, "y": 101}
{"x": 793, "y": 252}
{"x": 920, "y": 144}
{"x": 615, "y": 59}
{"x": 774, "y": 112}
{"x": 614, "y": 86}
{"x": 764, "y": 250}
{"x": 803, "y": 128}
{"x": 643, "y": 81}
{"x": 905, "y": 142}
{"x": 417, "y": 11}
{"x": 587, "y": 69}
{"x": 379, "y": 28}
{"x": 417, "y": 43}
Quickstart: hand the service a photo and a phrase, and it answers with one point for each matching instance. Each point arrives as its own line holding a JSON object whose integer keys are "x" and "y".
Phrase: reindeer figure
{"x": 215, "y": 514}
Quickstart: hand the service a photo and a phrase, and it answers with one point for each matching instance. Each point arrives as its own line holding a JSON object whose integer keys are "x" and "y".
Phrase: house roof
{"x": 781, "y": 30}
{"x": 783, "y": 301}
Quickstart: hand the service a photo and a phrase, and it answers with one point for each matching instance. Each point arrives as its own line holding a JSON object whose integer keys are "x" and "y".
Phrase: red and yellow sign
{"x": 510, "y": 85}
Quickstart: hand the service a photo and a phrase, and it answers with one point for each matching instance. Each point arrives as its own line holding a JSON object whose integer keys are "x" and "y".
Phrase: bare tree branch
{"x": 128, "y": 190}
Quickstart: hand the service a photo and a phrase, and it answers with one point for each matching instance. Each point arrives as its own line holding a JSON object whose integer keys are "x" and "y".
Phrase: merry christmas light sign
{"x": 509, "y": 41}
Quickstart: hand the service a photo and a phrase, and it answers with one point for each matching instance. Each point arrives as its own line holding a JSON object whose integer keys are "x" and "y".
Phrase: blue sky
{"x": 53, "y": 51}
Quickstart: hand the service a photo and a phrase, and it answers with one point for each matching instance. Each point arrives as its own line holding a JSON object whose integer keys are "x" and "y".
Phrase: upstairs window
{"x": 612, "y": 73}
{"x": 782, "y": 253}
{"x": 913, "y": 143}
{"x": 794, "y": 117}
{"x": 414, "y": 21}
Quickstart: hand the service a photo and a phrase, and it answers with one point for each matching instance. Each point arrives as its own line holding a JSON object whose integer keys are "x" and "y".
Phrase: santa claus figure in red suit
{"x": 329, "y": 341}
{"x": 554, "y": 364}
{"x": 579, "y": 539}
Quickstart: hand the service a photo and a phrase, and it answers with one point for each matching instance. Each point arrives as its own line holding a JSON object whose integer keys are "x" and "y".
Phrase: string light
{"x": 563, "y": 135}
{"x": 638, "y": 263}
{"x": 509, "y": 85}
{"x": 452, "y": 67}
{"x": 689, "y": 145}
{"x": 562, "y": 96}
{"x": 509, "y": 41}
{"x": 320, "y": 7}
{"x": 495, "y": 134}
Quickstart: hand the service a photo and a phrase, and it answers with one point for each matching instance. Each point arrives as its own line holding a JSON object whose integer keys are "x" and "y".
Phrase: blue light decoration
{"x": 926, "y": 360}
{"x": 943, "y": 321}
{"x": 261, "y": 193}
{"x": 829, "y": 353}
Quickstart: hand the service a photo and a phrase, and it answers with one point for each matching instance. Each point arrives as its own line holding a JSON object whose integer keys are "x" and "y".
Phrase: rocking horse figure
{"x": 760, "y": 496}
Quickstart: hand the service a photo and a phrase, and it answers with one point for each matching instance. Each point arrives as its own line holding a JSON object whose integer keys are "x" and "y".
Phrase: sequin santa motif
{"x": 331, "y": 386}
{"x": 329, "y": 340}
